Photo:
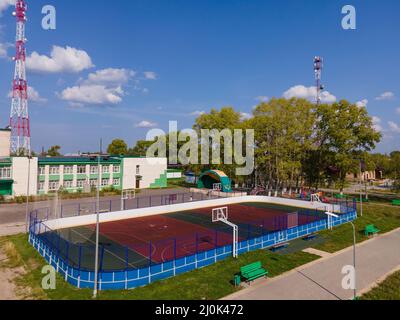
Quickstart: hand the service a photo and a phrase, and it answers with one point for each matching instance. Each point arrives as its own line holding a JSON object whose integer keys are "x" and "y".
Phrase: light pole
{"x": 361, "y": 187}
{"x": 332, "y": 215}
{"x": 96, "y": 267}
{"x": 28, "y": 191}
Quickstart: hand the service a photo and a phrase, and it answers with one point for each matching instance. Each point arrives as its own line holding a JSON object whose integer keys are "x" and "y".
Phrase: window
{"x": 41, "y": 186}
{"x": 54, "y": 170}
{"x": 81, "y": 169}
{"x": 68, "y": 184}
{"x": 5, "y": 173}
{"x": 94, "y": 169}
{"x": 138, "y": 170}
{"x": 80, "y": 183}
{"x": 93, "y": 182}
{"x": 116, "y": 169}
{"x": 68, "y": 169}
{"x": 54, "y": 185}
{"x": 116, "y": 182}
{"x": 106, "y": 169}
{"x": 104, "y": 182}
{"x": 42, "y": 171}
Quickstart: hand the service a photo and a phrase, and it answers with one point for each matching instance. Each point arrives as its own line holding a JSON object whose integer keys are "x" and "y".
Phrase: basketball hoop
{"x": 127, "y": 194}
{"x": 222, "y": 215}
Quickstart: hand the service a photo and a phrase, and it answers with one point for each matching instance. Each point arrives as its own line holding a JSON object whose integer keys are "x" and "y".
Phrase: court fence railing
{"x": 79, "y": 254}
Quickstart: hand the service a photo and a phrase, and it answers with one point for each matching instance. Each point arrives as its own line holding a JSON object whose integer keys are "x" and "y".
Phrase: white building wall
{"x": 150, "y": 170}
{"x": 20, "y": 169}
{"x": 5, "y": 143}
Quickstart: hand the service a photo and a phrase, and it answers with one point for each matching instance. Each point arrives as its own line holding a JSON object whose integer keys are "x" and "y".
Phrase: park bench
{"x": 279, "y": 247}
{"x": 396, "y": 202}
{"x": 253, "y": 271}
{"x": 371, "y": 230}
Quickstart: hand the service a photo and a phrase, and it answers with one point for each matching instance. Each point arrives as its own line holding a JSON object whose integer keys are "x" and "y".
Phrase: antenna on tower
{"x": 19, "y": 116}
{"x": 318, "y": 65}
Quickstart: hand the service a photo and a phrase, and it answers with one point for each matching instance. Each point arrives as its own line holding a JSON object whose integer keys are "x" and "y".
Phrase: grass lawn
{"x": 387, "y": 290}
{"x": 384, "y": 217}
{"x": 209, "y": 283}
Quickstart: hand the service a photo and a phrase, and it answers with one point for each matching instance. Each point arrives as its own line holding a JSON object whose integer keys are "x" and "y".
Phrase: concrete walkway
{"x": 322, "y": 279}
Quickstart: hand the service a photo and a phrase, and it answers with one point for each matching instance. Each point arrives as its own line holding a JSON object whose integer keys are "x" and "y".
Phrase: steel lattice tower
{"x": 19, "y": 116}
{"x": 318, "y": 65}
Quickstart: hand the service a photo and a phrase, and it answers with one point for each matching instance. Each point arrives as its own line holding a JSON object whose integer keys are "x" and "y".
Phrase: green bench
{"x": 253, "y": 271}
{"x": 371, "y": 230}
{"x": 396, "y": 202}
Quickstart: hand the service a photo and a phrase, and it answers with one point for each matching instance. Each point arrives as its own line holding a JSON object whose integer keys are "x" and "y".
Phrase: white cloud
{"x": 33, "y": 95}
{"x": 197, "y": 113}
{"x": 66, "y": 59}
{"x": 377, "y": 124}
{"x": 4, "y": 4}
{"x": 245, "y": 116}
{"x": 146, "y": 124}
{"x": 362, "y": 103}
{"x": 385, "y": 96}
{"x": 394, "y": 127}
{"x": 110, "y": 76}
{"x": 262, "y": 98}
{"x": 150, "y": 75}
{"x": 309, "y": 93}
{"x": 93, "y": 94}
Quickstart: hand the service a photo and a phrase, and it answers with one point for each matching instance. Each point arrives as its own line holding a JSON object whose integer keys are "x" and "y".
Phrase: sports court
{"x": 145, "y": 241}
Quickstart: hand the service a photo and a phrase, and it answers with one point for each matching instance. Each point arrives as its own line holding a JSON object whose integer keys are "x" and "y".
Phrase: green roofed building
{"x": 75, "y": 174}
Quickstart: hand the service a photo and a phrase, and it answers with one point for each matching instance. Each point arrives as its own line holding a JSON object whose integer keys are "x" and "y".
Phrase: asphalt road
{"x": 322, "y": 280}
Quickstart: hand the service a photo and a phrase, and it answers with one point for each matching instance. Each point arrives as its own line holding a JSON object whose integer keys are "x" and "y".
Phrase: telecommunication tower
{"x": 318, "y": 65}
{"x": 19, "y": 116}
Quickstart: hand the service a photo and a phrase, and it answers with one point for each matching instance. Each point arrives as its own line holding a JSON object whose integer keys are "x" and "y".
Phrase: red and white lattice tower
{"x": 19, "y": 116}
{"x": 318, "y": 65}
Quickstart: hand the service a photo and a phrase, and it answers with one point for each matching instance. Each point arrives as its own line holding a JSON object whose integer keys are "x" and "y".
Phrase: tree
{"x": 140, "y": 149}
{"x": 54, "y": 151}
{"x": 117, "y": 147}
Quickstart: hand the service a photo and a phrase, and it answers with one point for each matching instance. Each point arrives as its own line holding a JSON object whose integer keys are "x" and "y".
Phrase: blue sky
{"x": 115, "y": 69}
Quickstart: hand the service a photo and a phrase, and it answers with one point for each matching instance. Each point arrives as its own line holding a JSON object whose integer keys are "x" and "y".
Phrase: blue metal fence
{"x": 75, "y": 261}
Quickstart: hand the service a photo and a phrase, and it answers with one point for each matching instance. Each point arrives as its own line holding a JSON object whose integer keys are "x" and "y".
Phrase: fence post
{"x": 79, "y": 209}
{"x": 175, "y": 249}
{"x": 150, "y": 252}
{"x": 110, "y": 205}
{"x": 101, "y": 258}
{"x": 197, "y": 244}
{"x": 80, "y": 257}
{"x": 67, "y": 254}
{"x": 126, "y": 258}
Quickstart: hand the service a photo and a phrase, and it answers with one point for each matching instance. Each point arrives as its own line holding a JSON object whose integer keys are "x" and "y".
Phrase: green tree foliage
{"x": 54, "y": 151}
{"x": 117, "y": 147}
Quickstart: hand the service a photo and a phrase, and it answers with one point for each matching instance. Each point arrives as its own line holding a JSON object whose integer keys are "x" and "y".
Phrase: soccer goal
{"x": 127, "y": 194}
{"x": 315, "y": 197}
{"x": 222, "y": 215}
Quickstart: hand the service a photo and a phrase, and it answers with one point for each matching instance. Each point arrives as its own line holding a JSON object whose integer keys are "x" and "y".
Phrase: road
{"x": 12, "y": 216}
{"x": 322, "y": 279}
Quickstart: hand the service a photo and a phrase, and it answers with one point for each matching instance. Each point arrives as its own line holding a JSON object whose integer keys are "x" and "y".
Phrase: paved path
{"x": 322, "y": 279}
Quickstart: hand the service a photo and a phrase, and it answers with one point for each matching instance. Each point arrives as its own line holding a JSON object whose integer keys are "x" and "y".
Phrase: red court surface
{"x": 168, "y": 238}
